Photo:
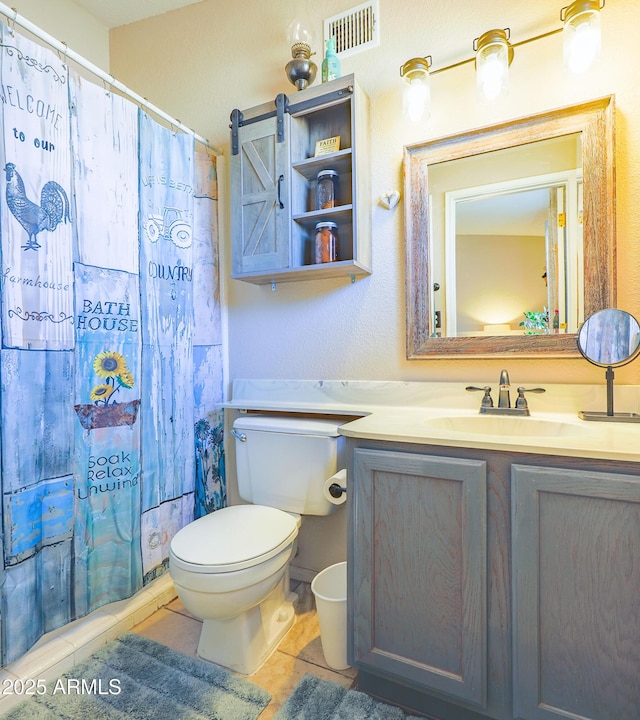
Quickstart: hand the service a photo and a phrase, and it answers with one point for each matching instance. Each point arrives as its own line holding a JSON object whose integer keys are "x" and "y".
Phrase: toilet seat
{"x": 233, "y": 538}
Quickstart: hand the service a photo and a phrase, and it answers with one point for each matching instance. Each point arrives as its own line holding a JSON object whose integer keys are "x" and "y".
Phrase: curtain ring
{"x": 63, "y": 58}
{"x": 11, "y": 22}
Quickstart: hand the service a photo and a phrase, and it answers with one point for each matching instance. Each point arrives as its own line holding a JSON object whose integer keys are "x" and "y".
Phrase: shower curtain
{"x": 110, "y": 366}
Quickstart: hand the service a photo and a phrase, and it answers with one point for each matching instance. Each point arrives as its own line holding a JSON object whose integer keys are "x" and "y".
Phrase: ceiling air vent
{"x": 355, "y": 30}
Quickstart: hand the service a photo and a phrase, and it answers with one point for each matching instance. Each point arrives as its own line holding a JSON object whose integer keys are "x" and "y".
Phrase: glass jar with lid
{"x": 327, "y": 189}
{"x": 326, "y": 244}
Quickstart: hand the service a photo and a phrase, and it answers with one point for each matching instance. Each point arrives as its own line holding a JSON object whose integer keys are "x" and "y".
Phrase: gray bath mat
{"x": 315, "y": 699}
{"x": 135, "y": 678}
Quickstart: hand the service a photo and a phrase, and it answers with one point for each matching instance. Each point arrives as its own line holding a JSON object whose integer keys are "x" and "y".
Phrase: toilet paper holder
{"x": 335, "y": 488}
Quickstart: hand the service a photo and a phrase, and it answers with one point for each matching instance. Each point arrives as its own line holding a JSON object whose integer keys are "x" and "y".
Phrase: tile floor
{"x": 299, "y": 653}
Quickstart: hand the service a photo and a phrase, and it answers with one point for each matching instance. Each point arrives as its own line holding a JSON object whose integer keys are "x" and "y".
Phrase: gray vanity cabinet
{"x": 486, "y": 584}
{"x": 576, "y": 602}
{"x": 419, "y": 570}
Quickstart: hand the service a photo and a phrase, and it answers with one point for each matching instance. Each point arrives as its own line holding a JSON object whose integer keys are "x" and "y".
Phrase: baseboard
{"x": 58, "y": 651}
{"x": 302, "y": 574}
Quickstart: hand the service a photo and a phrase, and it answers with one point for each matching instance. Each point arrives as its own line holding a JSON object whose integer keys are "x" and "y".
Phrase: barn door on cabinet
{"x": 260, "y": 196}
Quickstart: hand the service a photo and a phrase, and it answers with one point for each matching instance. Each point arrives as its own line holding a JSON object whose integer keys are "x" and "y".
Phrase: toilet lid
{"x": 235, "y": 537}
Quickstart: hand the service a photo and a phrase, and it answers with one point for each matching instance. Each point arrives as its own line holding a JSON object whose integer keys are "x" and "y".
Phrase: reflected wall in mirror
{"x": 507, "y": 225}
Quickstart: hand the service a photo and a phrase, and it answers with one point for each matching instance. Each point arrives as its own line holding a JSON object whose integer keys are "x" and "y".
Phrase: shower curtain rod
{"x": 13, "y": 17}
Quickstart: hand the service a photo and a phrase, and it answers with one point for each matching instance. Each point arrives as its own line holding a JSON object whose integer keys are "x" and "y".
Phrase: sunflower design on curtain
{"x": 108, "y": 408}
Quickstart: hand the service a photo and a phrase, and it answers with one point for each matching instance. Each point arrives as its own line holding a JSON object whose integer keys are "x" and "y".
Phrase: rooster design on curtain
{"x": 52, "y": 210}
{"x": 103, "y": 348}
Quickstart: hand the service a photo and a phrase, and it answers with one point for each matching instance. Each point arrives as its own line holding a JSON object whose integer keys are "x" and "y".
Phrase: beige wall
{"x": 68, "y": 23}
{"x": 498, "y": 291}
{"x": 201, "y": 62}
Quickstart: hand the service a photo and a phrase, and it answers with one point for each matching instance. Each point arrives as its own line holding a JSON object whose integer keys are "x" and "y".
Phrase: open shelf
{"x": 339, "y": 161}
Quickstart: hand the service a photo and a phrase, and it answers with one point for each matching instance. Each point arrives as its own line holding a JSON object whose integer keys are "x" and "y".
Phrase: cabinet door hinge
{"x": 562, "y": 219}
{"x": 282, "y": 106}
{"x": 236, "y": 121}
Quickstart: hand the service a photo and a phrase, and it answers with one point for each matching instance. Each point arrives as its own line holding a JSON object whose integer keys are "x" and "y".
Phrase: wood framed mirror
{"x": 576, "y": 266}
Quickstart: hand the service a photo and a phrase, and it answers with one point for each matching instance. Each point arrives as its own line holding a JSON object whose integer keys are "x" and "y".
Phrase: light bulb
{"x": 581, "y": 36}
{"x": 493, "y": 56}
{"x": 492, "y": 76}
{"x": 416, "y": 97}
{"x": 416, "y": 100}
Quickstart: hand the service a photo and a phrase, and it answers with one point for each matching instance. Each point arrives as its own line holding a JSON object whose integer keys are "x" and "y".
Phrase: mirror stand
{"x": 609, "y": 415}
{"x": 609, "y": 338}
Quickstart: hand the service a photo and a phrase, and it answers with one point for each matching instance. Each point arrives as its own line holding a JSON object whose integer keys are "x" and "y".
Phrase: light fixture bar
{"x": 514, "y": 45}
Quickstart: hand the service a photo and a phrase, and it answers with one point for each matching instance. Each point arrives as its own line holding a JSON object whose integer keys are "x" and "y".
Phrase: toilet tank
{"x": 285, "y": 461}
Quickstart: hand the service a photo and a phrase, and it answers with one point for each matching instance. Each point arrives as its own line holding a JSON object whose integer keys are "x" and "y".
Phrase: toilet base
{"x": 245, "y": 642}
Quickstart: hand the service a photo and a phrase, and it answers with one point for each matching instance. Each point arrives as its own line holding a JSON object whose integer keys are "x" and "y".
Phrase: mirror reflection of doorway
{"x": 480, "y": 195}
{"x": 514, "y": 258}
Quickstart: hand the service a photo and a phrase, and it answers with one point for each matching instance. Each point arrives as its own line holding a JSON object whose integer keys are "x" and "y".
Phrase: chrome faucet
{"x": 504, "y": 400}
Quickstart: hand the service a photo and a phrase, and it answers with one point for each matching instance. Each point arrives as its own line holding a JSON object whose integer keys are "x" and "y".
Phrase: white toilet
{"x": 231, "y": 568}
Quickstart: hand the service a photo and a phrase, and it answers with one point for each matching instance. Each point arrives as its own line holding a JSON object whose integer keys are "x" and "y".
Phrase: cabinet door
{"x": 259, "y": 199}
{"x": 418, "y": 570}
{"x": 576, "y": 575}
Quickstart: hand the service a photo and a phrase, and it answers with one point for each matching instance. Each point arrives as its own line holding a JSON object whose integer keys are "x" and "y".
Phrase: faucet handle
{"x": 487, "y": 400}
{"x": 521, "y": 402}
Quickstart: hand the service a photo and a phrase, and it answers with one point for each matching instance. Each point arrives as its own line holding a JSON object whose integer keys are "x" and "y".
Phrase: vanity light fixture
{"x": 581, "y": 34}
{"x": 300, "y": 70}
{"x": 416, "y": 99}
{"x": 494, "y": 54}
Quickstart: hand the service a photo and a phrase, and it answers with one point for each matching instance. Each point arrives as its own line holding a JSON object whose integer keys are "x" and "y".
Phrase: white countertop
{"x": 400, "y": 412}
{"x": 593, "y": 439}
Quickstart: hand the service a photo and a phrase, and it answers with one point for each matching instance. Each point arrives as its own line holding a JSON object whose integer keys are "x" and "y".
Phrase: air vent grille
{"x": 355, "y": 30}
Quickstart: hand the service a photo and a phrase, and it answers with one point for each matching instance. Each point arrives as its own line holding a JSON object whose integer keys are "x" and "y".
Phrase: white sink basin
{"x": 507, "y": 426}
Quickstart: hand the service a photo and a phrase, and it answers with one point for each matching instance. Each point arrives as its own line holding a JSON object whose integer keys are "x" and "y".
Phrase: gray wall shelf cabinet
{"x": 274, "y": 180}
{"x": 486, "y": 584}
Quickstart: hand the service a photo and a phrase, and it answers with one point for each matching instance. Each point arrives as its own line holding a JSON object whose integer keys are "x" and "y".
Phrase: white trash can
{"x": 330, "y": 590}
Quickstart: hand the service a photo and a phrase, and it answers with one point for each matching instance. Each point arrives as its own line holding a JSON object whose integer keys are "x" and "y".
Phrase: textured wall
{"x": 69, "y": 23}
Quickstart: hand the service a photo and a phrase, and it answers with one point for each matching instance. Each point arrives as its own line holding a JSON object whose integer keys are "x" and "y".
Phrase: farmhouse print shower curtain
{"x": 109, "y": 376}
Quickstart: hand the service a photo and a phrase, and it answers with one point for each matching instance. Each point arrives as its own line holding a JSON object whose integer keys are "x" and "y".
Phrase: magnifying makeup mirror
{"x": 609, "y": 338}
